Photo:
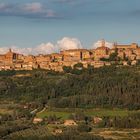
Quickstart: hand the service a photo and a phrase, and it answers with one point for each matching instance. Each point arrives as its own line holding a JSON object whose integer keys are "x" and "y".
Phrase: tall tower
{"x": 10, "y": 50}
{"x": 115, "y": 45}
{"x": 102, "y": 43}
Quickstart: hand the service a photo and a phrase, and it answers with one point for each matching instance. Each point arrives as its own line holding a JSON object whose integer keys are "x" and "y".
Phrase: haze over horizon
{"x": 46, "y": 26}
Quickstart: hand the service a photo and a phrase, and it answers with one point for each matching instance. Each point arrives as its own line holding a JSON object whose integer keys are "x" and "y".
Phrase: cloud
{"x": 65, "y": 43}
{"x": 16, "y": 49}
{"x": 50, "y": 13}
{"x": 69, "y": 43}
{"x": 99, "y": 43}
{"x": 36, "y": 9}
{"x": 65, "y": 1}
{"x": 68, "y": 2}
{"x": 135, "y": 13}
{"x": 47, "y": 48}
{"x": 33, "y": 10}
{"x": 33, "y": 7}
{"x": 3, "y": 50}
{"x": 43, "y": 48}
{"x": 6, "y": 8}
{"x": 3, "y": 6}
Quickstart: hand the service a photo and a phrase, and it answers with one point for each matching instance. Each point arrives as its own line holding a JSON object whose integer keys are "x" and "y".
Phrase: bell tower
{"x": 102, "y": 43}
{"x": 10, "y": 50}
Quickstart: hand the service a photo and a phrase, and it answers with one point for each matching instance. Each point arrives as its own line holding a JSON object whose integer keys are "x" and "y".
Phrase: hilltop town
{"x": 101, "y": 56}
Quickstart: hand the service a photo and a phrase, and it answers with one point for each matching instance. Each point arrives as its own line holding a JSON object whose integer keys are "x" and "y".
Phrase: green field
{"x": 108, "y": 112}
{"x": 90, "y": 112}
{"x": 61, "y": 115}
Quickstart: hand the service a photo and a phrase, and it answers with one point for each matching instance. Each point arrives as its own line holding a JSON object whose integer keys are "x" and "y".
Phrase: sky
{"x": 46, "y": 26}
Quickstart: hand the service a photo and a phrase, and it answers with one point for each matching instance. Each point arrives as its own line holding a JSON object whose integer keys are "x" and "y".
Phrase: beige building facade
{"x": 56, "y": 61}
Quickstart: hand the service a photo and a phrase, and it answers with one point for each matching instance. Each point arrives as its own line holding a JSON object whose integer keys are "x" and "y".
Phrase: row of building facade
{"x": 56, "y": 61}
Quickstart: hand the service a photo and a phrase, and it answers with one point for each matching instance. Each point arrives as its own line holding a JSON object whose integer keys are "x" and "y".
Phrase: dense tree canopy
{"x": 103, "y": 87}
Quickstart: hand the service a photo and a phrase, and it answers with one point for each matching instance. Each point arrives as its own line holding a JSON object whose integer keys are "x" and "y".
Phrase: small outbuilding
{"x": 70, "y": 123}
{"x": 37, "y": 120}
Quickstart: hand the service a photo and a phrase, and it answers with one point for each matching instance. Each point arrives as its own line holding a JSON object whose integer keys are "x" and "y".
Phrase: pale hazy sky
{"x": 28, "y": 23}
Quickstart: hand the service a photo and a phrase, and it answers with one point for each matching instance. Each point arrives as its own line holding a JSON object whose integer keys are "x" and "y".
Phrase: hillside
{"x": 104, "y": 103}
{"x": 104, "y": 87}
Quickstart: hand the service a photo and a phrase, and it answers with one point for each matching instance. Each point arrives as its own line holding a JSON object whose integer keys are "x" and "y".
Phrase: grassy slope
{"x": 90, "y": 112}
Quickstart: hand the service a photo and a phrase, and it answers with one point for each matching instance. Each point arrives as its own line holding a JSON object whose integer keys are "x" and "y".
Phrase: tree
{"x": 78, "y": 66}
{"x": 113, "y": 56}
{"x": 84, "y": 128}
{"x": 129, "y": 62}
{"x": 104, "y": 59}
{"x": 67, "y": 69}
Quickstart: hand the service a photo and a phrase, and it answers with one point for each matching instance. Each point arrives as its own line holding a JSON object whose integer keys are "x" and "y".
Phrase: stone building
{"x": 8, "y": 60}
{"x": 76, "y": 54}
{"x": 56, "y": 61}
{"x": 101, "y": 52}
{"x": 137, "y": 52}
{"x": 131, "y": 46}
{"x": 43, "y": 58}
{"x": 10, "y": 57}
{"x": 72, "y": 55}
{"x": 130, "y": 52}
{"x": 70, "y": 123}
{"x": 56, "y": 57}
